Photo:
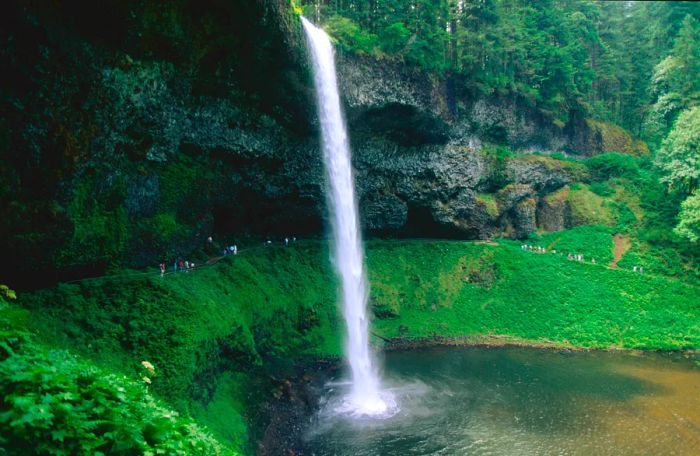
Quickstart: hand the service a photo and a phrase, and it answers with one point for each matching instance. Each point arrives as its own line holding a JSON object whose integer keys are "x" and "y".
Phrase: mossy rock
{"x": 594, "y": 137}
{"x": 587, "y": 208}
{"x": 488, "y": 202}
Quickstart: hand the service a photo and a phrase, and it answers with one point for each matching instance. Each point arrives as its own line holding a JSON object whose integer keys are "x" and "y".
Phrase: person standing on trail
{"x": 235, "y": 249}
{"x": 161, "y": 266}
{"x": 175, "y": 266}
{"x": 180, "y": 264}
{"x": 286, "y": 242}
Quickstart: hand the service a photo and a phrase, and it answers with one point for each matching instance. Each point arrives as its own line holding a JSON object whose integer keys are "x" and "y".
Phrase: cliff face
{"x": 132, "y": 131}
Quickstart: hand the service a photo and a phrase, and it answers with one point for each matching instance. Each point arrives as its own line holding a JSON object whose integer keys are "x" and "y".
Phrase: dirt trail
{"x": 622, "y": 245}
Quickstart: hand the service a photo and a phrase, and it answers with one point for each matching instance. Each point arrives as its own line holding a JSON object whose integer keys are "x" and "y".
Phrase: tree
{"x": 686, "y": 51}
{"x": 679, "y": 157}
{"x": 689, "y": 218}
{"x": 675, "y": 83}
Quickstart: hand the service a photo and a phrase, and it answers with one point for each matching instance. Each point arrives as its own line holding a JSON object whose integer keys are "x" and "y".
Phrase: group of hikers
{"x": 178, "y": 265}
{"x": 286, "y": 241}
{"x": 570, "y": 256}
{"x": 578, "y": 257}
{"x": 539, "y": 249}
{"x": 231, "y": 249}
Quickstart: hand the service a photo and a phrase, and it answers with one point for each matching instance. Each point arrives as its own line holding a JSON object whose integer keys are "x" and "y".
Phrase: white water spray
{"x": 365, "y": 397}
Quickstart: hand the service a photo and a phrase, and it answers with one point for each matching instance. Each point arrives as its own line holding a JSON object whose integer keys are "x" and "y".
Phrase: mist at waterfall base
{"x": 363, "y": 395}
{"x": 521, "y": 401}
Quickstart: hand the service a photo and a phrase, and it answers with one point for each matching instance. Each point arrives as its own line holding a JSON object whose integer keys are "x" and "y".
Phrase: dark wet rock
{"x": 512, "y": 194}
{"x": 524, "y": 220}
{"x": 553, "y": 212}
{"x": 295, "y": 400}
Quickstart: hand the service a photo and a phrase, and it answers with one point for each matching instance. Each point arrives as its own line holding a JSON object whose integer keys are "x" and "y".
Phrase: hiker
{"x": 286, "y": 242}
{"x": 180, "y": 264}
{"x": 235, "y": 249}
{"x": 294, "y": 239}
{"x": 187, "y": 266}
{"x": 162, "y": 269}
{"x": 175, "y": 266}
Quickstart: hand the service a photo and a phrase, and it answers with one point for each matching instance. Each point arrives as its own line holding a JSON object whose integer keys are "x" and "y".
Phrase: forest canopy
{"x": 563, "y": 57}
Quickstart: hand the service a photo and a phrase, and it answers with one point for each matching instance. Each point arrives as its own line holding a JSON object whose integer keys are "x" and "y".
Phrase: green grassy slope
{"x": 245, "y": 314}
{"x": 464, "y": 289}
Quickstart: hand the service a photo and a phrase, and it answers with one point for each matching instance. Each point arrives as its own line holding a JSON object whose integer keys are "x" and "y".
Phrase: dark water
{"x": 514, "y": 401}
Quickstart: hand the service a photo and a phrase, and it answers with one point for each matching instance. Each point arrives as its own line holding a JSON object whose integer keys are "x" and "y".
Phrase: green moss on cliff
{"x": 489, "y": 203}
{"x": 588, "y": 207}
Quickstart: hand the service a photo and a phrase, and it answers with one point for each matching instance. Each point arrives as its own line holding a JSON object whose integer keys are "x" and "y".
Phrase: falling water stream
{"x": 365, "y": 396}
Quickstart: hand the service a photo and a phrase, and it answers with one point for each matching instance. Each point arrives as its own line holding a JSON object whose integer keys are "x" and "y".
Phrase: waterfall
{"x": 365, "y": 397}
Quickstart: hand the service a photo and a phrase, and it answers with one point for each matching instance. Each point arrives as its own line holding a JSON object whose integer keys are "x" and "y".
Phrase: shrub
{"x": 350, "y": 36}
{"x": 57, "y": 404}
{"x": 393, "y": 38}
{"x": 602, "y": 189}
{"x": 613, "y": 164}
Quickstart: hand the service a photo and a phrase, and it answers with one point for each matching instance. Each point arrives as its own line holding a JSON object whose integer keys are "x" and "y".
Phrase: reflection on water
{"x": 515, "y": 401}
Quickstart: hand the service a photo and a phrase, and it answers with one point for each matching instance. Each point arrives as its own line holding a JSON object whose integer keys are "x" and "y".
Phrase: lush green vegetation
{"x": 136, "y": 363}
{"x": 55, "y": 403}
{"x": 267, "y": 306}
{"x": 214, "y": 334}
{"x": 422, "y": 290}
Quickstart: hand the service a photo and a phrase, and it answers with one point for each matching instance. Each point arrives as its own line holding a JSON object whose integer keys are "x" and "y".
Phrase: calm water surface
{"x": 515, "y": 401}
